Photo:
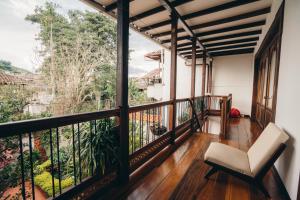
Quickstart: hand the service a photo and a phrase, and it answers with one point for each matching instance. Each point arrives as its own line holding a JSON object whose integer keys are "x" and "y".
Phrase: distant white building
{"x": 157, "y": 82}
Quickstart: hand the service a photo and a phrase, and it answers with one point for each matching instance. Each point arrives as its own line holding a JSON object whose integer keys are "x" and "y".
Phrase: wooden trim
{"x": 122, "y": 86}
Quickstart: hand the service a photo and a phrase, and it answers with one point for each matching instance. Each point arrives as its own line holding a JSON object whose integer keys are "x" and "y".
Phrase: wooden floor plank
{"x": 165, "y": 189}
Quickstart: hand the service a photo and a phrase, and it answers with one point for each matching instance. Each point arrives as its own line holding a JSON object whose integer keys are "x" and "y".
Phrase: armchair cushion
{"x": 265, "y": 146}
{"x": 228, "y": 157}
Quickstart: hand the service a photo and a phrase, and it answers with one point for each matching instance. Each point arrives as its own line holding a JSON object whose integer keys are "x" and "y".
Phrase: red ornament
{"x": 235, "y": 113}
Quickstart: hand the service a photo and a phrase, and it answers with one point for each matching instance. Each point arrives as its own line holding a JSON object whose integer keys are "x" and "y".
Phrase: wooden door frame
{"x": 275, "y": 29}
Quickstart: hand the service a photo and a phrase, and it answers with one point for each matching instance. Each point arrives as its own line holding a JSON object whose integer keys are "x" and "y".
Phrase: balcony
{"x": 96, "y": 143}
{"x": 155, "y": 151}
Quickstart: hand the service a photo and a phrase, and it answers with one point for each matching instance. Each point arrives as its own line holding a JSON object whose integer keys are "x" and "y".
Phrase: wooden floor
{"x": 181, "y": 175}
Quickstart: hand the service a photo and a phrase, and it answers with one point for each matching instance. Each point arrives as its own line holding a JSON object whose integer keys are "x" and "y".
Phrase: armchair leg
{"x": 262, "y": 188}
{"x": 211, "y": 172}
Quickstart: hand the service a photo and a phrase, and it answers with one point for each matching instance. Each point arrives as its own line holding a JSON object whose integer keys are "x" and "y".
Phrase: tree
{"x": 77, "y": 48}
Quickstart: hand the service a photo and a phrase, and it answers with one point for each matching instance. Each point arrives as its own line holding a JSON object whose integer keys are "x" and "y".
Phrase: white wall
{"x": 234, "y": 74}
{"x": 288, "y": 98}
{"x": 183, "y": 78}
{"x": 155, "y": 91}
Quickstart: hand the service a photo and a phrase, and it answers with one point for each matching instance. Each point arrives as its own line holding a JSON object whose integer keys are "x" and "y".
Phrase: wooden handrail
{"x": 149, "y": 106}
{"x": 27, "y": 126}
{"x": 182, "y": 100}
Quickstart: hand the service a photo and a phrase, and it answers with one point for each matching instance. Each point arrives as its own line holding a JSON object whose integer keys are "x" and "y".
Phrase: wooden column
{"x": 174, "y": 22}
{"x": 193, "y": 78}
{"x": 122, "y": 86}
{"x": 209, "y": 82}
{"x": 193, "y": 68}
{"x": 203, "y": 74}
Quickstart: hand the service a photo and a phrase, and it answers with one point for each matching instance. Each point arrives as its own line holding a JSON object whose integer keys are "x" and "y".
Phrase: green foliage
{"x": 100, "y": 151}
{"x": 42, "y": 167}
{"x": 135, "y": 95}
{"x": 9, "y": 177}
{"x": 134, "y": 136}
{"x": 44, "y": 181}
{"x": 12, "y": 103}
{"x": 26, "y": 160}
{"x": 79, "y": 51}
{"x": 183, "y": 117}
{"x": 7, "y": 66}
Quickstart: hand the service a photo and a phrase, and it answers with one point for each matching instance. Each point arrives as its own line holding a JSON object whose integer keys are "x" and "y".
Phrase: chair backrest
{"x": 265, "y": 146}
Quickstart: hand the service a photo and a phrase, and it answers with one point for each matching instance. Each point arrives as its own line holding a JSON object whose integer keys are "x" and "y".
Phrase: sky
{"x": 18, "y": 42}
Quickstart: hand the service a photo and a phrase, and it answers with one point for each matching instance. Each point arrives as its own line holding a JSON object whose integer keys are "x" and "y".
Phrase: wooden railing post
{"x": 174, "y": 23}
{"x": 203, "y": 74}
{"x": 122, "y": 86}
{"x": 209, "y": 82}
{"x": 223, "y": 124}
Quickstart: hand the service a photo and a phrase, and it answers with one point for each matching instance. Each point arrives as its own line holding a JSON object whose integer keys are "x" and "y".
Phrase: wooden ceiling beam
{"x": 222, "y": 30}
{"x": 252, "y": 39}
{"x": 236, "y": 35}
{"x": 157, "y": 10}
{"x": 226, "y": 53}
{"x": 207, "y": 11}
{"x": 184, "y": 44}
{"x": 225, "y": 37}
{"x": 222, "y": 48}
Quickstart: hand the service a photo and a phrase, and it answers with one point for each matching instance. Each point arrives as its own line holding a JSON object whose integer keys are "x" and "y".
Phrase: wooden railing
{"x": 94, "y": 141}
{"x": 220, "y": 106}
{"x": 94, "y": 144}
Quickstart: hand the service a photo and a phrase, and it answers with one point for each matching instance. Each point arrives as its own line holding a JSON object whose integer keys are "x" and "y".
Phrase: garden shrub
{"x": 44, "y": 181}
{"x": 42, "y": 167}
